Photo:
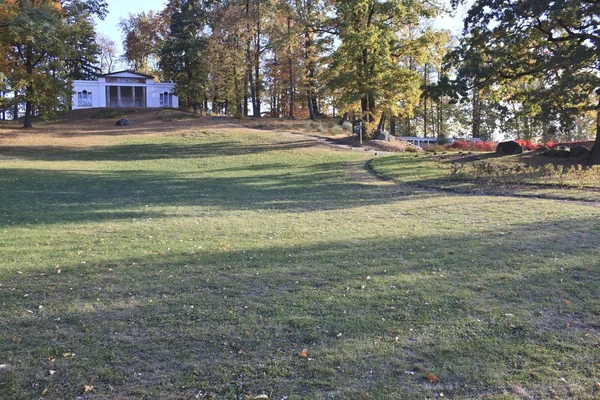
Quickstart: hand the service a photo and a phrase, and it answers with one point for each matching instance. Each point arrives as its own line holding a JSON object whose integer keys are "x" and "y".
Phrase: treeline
{"x": 382, "y": 61}
{"x": 524, "y": 69}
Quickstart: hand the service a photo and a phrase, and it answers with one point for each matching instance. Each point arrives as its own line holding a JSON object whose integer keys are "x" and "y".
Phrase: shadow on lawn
{"x": 139, "y": 152}
{"x": 31, "y": 196}
{"x": 232, "y": 323}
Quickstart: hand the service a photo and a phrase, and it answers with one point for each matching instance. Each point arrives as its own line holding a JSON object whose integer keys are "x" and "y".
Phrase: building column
{"x": 107, "y": 96}
{"x": 118, "y": 96}
{"x": 133, "y": 96}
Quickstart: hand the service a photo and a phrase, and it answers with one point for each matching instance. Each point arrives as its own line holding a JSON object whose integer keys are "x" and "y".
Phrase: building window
{"x": 84, "y": 99}
{"x": 166, "y": 99}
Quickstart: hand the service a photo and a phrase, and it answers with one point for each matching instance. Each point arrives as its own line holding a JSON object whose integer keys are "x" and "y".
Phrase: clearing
{"x": 190, "y": 258}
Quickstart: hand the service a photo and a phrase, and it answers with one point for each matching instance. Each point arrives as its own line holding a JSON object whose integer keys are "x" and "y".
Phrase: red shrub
{"x": 466, "y": 145}
{"x": 460, "y": 145}
{"x": 527, "y": 145}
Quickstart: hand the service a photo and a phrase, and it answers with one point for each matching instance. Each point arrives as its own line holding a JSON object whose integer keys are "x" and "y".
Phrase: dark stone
{"x": 561, "y": 151}
{"x": 543, "y": 151}
{"x": 508, "y": 148}
{"x": 579, "y": 151}
{"x": 380, "y": 135}
{"x": 123, "y": 122}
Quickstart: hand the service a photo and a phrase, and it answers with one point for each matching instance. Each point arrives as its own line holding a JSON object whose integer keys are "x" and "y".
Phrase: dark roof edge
{"x": 126, "y": 70}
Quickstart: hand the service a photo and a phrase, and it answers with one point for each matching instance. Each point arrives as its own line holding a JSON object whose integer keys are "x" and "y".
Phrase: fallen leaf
{"x": 52, "y": 372}
{"x": 304, "y": 353}
{"x": 87, "y": 388}
{"x": 45, "y": 392}
{"x": 67, "y": 355}
{"x": 432, "y": 378}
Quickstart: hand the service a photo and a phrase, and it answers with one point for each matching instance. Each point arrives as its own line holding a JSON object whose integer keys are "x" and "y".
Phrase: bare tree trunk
{"x": 381, "y": 125}
{"x": 425, "y": 103}
{"x": 476, "y": 123}
{"x": 27, "y": 119}
{"x": 595, "y": 154}
{"x": 292, "y": 88}
{"x": 257, "y": 63}
{"x": 309, "y": 77}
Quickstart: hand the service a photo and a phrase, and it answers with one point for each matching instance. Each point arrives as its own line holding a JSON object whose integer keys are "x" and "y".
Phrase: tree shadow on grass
{"x": 140, "y": 152}
{"x": 233, "y": 323}
{"x": 32, "y": 196}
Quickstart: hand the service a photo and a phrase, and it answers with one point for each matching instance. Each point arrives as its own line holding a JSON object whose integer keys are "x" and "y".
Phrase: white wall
{"x": 98, "y": 91}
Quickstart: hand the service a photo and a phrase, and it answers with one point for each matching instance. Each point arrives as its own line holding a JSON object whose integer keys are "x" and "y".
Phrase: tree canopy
{"x": 545, "y": 53}
{"x": 47, "y": 43}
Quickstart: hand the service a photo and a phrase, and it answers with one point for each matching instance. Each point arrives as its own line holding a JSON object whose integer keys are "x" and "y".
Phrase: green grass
{"x": 202, "y": 266}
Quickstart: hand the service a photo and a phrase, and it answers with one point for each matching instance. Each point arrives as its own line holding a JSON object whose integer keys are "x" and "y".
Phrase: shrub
{"x": 347, "y": 126}
{"x": 493, "y": 172}
{"x": 527, "y": 145}
{"x": 336, "y": 129}
{"x": 466, "y": 145}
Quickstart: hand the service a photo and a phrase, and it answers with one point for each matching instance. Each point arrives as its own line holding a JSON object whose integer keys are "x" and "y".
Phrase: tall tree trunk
{"x": 292, "y": 88}
{"x": 27, "y": 118}
{"x": 257, "y": 63}
{"x": 250, "y": 62}
{"x": 16, "y": 107}
{"x": 425, "y": 102}
{"x": 344, "y": 119}
{"x": 595, "y": 154}
{"x": 393, "y": 126}
{"x": 309, "y": 74}
{"x": 381, "y": 125}
{"x": 29, "y": 94}
{"x": 476, "y": 123}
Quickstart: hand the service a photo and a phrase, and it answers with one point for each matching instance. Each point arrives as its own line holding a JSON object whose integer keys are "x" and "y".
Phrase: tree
{"x": 557, "y": 42}
{"x": 372, "y": 67}
{"x": 108, "y": 53}
{"x": 143, "y": 36}
{"x": 48, "y": 42}
{"x": 183, "y": 56}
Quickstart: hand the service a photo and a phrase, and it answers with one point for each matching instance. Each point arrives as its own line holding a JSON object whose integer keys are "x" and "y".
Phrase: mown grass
{"x": 202, "y": 266}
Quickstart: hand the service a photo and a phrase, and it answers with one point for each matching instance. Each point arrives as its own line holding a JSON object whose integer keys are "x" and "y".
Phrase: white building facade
{"x": 123, "y": 89}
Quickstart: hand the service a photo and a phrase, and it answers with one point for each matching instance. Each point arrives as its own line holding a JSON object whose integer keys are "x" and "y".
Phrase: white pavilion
{"x": 123, "y": 89}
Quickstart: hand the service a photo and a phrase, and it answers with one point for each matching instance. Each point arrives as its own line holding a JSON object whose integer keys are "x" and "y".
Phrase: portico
{"x": 123, "y": 89}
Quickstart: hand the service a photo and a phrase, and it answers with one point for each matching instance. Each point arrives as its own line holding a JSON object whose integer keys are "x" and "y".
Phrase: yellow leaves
{"x": 87, "y": 388}
{"x": 304, "y": 353}
{"x": 432, "y": 378}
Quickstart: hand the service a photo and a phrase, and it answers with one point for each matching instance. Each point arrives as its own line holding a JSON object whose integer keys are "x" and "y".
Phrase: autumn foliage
{"x": 466, "y": 145}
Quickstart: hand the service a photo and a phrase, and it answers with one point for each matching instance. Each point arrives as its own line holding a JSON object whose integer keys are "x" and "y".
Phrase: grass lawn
{"x": 185, "y": 258}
